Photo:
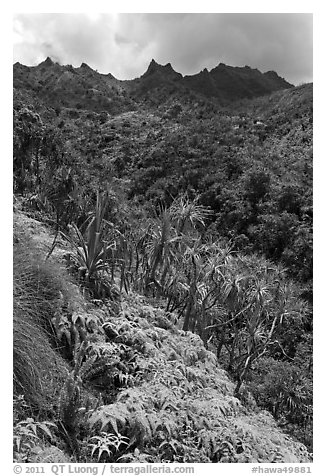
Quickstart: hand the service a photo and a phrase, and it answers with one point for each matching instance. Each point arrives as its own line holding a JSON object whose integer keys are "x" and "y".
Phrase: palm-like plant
{"x": 186, "y": 214}
{"x": 160, "y": 249}
{"x": 161, "y": 246}
{"x": 91, "y": 250}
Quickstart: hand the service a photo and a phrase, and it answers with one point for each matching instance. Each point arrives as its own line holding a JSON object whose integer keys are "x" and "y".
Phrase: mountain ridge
{"x": 223, "y": 83}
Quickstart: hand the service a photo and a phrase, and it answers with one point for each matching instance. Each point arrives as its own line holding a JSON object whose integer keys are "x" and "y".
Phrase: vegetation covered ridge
{"x": 225, "y": 83}
{"x": 250, "y": 163}
{"x": 121, "y": 381}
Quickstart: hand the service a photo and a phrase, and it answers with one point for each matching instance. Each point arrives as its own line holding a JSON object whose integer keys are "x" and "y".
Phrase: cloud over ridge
{"x": 123, "y": 44}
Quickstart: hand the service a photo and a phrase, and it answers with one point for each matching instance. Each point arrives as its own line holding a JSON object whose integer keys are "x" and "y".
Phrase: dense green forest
{"x": 162, "y": 266}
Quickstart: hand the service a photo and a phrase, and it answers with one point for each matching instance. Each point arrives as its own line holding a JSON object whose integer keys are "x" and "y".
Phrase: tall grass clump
{"x": 37, "y": 294}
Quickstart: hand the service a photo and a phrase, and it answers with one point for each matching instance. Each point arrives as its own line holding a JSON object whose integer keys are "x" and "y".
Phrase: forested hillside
{"x": 163, "y": 263}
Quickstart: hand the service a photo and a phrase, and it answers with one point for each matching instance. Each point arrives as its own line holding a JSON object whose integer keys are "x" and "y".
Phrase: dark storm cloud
{"x": 124, "y": 44}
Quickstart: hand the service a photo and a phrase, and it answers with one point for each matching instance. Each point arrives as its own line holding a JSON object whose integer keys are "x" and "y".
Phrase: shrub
{"x": 285, "y": 389}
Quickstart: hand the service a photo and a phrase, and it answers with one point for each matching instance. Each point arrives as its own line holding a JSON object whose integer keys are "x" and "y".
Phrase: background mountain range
{"x": 64, "y": 83}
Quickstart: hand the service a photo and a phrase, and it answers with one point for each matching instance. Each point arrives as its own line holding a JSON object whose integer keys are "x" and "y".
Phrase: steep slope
{"x": 231, "y": 83}
{"x": 65, "y": 86}
{"x": 166, "y": 139}
{"x": 137, "y": 373}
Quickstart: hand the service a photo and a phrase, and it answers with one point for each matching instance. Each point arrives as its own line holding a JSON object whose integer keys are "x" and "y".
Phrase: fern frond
{"x": 110, "y": 416}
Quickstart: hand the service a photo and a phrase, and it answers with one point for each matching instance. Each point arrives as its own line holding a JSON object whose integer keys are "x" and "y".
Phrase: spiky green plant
{"x": 28, "y": 433}
{"x": 92, "y": 249}
{"x": 106, "y": 444}
{"x": 187, "y": 214}
{"x": 160, "y": 249}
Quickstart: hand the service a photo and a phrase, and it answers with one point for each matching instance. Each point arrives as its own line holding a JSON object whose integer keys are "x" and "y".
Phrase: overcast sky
{"x": 124, "y": 44}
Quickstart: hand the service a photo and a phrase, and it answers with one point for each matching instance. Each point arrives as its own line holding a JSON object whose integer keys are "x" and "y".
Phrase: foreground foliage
{"x": 134, "y": 387}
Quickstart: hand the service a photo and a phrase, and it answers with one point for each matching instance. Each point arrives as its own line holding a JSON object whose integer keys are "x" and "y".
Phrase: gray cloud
{"x": 124, "y": 44}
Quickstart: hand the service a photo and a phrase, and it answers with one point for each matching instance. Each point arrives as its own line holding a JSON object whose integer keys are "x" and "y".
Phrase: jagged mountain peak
{"x": 85, "y": 66}
{"x": 110, "y": 76}
{"x": 152, "y": 67}
{"x": 273, "y": 75}
{"x": 47, "y": 62}
{"x": 155, "y": 67}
